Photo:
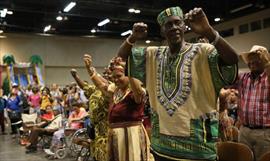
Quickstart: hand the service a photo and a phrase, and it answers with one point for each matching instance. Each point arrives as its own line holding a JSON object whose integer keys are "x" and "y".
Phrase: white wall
{"x": 244, "y": 42}
{"x": 60, "y": 53}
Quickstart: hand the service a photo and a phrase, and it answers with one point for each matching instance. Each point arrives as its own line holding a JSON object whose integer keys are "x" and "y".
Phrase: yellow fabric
{"x": 98, "y": 110}
{"x": 138, "y": 144}
{"x": 202, "y": 94}
{"x": 45, "y": 101}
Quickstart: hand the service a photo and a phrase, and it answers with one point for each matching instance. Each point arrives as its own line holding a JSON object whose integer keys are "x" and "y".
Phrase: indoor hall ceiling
{"x": 31, "y": 16}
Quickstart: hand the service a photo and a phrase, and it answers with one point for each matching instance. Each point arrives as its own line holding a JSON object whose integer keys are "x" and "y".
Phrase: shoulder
{"x": 82, "y": 109}
{"x": 243, "y": 76}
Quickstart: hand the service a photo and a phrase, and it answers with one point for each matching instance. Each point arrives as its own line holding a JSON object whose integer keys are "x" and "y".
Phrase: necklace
{"x": 119, "y": 95}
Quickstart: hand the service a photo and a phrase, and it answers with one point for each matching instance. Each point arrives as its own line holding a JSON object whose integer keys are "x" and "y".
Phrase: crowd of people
{"x": 181, "y": 81}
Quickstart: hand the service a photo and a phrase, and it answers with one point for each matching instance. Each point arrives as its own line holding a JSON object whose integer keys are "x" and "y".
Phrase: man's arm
{"x": 199, "y": 24}
{"x": 265, "y": 58}
{"x": 139, "y": 31}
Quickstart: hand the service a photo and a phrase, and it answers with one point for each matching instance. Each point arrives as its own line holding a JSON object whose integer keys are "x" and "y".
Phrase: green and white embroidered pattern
{"x": 174, "y": 79}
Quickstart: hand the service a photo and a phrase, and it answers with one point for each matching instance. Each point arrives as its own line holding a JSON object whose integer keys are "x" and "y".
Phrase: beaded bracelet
{"x": 127, "y": 40}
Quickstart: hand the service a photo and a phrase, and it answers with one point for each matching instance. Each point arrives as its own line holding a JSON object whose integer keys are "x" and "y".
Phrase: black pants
{"x": 36, "y": 132}
{"x": 14, "y": 120}
{"x": 2, "y": 121}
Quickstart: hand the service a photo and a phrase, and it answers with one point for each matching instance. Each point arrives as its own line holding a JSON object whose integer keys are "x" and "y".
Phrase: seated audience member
{"x": 48, "y": 115}
{"x": 58, "y": 103}
{"x": 36, "y": 132}
{"x": 45, "y": 99}
{"x": 74, "y": 122}
{"x": 76, "y": 116}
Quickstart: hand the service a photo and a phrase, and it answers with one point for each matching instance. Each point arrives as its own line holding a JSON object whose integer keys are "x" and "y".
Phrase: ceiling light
{"x": 217, "y": 19}
{"x": 137, "y": 11}
{"x": 3, "y": 13}
{"x": 93, "y": 31}
{"x": 59, "y": 18}
{"x": 241, "y": 8}
{"x": 1, "y": 31}
{"x": 189, "y": 28}
{"x": 104, "y": 22}
{"x": 147, "y": 41}
{"x": 44, "y": 34}
{"x": 131, "y": 10}
{"x": 126, "y": 33}
{"x": 69, "y": 6}
{"x": 47, "y": 28}
{"x": 10, "y": 12}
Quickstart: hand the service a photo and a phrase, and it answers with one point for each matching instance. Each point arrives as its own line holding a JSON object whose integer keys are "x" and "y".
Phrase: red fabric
{"x": 254, "y": 102}
{"x": 126, "y": 110}
{"x": 48, "y": 116}
{"x": 147, "y": 122}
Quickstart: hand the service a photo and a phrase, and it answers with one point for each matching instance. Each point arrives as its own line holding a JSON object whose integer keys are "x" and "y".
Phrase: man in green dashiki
{"x": 183, "y": 81}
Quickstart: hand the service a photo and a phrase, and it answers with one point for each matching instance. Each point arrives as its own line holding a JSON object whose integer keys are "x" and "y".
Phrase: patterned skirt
{"x": 128, "y": 141}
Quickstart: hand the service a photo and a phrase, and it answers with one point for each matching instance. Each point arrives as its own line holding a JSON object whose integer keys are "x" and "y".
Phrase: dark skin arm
{"x": 136, "y": 87}
{"x": 199, "y": 24}
{"x": 265, "y": 59}
{"x": 101, "y": 83}
{"x": 74, "y": 74}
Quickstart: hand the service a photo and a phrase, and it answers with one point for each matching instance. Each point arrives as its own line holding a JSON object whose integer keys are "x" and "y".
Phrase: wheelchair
{"x": 68, "y": 142}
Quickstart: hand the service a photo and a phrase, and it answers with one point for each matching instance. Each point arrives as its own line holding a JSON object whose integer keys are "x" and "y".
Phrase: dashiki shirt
{"x": 183, "y": 92}
{"x": 98, "y": 108}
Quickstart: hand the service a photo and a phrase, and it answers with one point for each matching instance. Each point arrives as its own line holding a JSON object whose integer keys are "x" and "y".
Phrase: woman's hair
{"x": 64, "y": 90}
{"x": 117, "y": 63}
{"x": 35, "y": 89}
{"x": 46, "y": 89}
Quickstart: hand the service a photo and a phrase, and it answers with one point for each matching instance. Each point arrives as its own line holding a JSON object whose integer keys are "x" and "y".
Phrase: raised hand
{"x": 87, "y": 60}
{"x": 198, "y": 21}
{"x": 139, "y": 31}
{"x": 73, "y": 72}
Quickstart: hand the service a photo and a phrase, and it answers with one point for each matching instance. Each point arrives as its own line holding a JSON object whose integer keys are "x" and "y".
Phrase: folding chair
{"x": 28, "y": 121}
{"x": 265, "y": 157}
{"x": 232, "y": 151}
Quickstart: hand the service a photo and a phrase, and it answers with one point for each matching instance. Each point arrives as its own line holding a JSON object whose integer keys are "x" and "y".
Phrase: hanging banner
{"x": 30, "y": 76}
{"x": 23, "y": 80}
{"x": 39, "y": 75}
{"x": 10, "y": 73}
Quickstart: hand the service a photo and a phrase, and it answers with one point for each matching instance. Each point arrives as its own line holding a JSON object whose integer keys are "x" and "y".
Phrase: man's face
{"x": 255, "y": 64}
{"x": 173, "y": 29}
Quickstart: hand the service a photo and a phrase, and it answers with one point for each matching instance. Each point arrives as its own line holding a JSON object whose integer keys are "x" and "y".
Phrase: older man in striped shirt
{"x": 254, "y": 91}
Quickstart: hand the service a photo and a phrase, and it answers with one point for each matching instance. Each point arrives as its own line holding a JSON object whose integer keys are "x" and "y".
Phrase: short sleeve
{"x": 136, "y": 64}
{"x": 222, "y": 75}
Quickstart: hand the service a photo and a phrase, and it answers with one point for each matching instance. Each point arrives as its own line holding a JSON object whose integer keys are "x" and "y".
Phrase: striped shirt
{"x": 254, "y": 102}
